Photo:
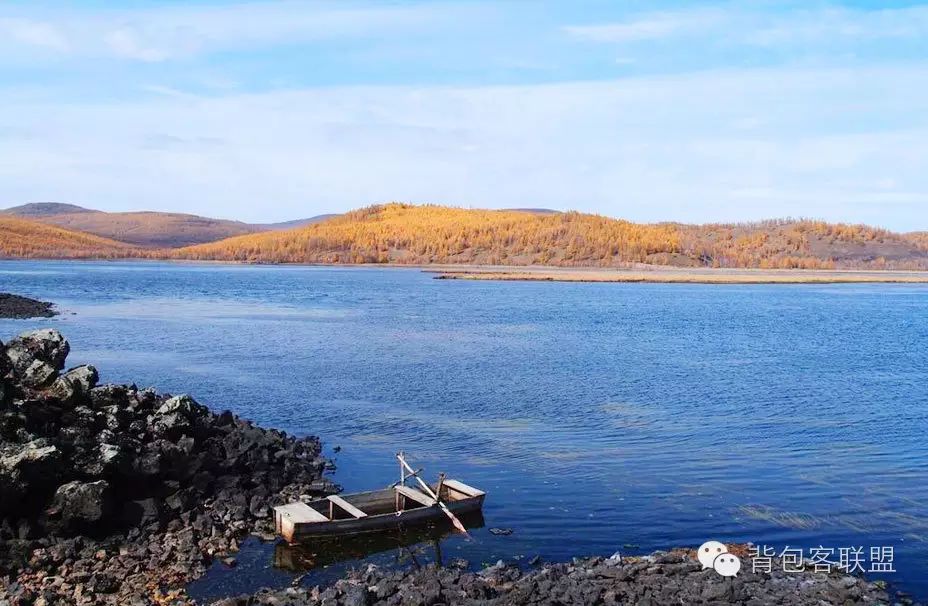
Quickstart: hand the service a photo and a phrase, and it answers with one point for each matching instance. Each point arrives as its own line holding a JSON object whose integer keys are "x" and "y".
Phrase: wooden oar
{"x": 431, "y": 493}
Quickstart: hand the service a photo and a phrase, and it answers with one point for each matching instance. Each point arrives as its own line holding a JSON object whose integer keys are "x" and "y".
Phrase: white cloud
{"x": 34, "y": 33}
{"x": 727, "y": 145}
{"x": 170, "y": 32}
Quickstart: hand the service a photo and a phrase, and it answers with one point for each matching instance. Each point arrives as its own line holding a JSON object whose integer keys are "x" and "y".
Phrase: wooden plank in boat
{"x": 347, "y": 506}
{"x": 415, "y": 495}
{"x": 463, "y": 488}
{"x": 300, "y": 513}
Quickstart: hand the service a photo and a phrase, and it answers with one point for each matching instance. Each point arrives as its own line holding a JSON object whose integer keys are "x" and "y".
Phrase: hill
{"x": 22, "y": 238}
{"x": 144, "y": 229}
{"x": 45, "y": 209}
{"x": 147, "y": 229}
{"x": 401, "y": 233}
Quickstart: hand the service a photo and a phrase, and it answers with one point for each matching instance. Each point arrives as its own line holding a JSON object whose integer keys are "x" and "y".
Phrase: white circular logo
{"x": 727, "y": 565}
{"x": 708, "y": 551}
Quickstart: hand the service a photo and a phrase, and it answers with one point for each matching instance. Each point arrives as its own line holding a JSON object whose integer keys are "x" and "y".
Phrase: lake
{"x": 598, "y": 417}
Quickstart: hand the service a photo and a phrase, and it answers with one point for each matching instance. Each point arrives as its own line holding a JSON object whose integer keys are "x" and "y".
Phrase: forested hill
{"x": 402, "y": 233}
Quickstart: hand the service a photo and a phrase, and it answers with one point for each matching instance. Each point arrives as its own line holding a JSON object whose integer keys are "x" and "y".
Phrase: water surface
{"x": 599, "y": 417}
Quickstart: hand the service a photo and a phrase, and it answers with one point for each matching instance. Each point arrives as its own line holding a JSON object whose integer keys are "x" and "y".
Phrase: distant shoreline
{"x": 663, "y": 275}
{"x": 636, "y": 273}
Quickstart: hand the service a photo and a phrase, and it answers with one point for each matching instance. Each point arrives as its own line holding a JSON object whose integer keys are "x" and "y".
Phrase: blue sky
{"x": 650, "y": 111}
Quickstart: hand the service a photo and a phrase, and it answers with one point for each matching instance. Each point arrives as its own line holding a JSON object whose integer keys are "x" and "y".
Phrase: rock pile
{"x": 661, "y": 578}
{"x": 109, "y": 493}
{"x": 14, "y": 306}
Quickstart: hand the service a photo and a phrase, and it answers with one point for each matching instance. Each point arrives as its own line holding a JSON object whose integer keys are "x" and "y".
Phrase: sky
{"x": 645, "y": 110}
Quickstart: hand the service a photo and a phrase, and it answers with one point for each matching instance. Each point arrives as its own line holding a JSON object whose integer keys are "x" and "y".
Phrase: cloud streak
{"x": 655, "y": 26}
{"x": 740, "y": 25}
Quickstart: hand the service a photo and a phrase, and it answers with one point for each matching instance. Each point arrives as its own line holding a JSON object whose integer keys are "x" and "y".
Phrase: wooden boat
{"x": 374, "y": 511}
{"x": 379, "y": 510}
{"x": 319, "y": 552}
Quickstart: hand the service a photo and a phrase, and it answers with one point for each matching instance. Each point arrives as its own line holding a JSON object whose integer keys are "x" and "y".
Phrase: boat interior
{"x": 390, "y": 500}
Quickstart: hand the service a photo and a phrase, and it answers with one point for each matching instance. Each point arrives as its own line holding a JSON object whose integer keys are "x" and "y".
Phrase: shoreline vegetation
{"x": 114, "y": 495}
{"x": 431, "y": 235}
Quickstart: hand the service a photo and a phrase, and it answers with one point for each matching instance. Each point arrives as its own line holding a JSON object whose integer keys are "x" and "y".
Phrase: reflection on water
{"x": 323, "y": 561}
{"x": 653, "y": 415}
{"x": 415, "y": 545}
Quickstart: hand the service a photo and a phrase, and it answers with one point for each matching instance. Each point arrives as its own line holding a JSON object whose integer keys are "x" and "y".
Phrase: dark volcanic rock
{"x": 14, "y": 306}
{"x": 654, "y": 580}
{"x": 117, "y": 493}
{"x": 46, "y": 345}
{"x": 27, "y": 469}
{"x": 82, "y": 504}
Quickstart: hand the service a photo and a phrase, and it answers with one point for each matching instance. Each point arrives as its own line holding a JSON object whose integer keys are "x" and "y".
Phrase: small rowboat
{"x": 378, "y": 510}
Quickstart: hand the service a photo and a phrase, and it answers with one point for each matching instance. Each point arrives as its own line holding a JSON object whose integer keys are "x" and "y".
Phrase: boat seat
{"x": 415, "y": 495}
{"x": 346, "y": 506}
{"x": 300, "y": 513}
{"x": 463, "y": 488}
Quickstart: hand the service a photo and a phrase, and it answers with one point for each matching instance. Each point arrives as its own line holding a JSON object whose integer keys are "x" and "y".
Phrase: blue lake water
{"x": 598, "y": 417}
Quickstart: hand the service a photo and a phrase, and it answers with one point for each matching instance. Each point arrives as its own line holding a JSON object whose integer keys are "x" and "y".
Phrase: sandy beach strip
{"x": 682, "y": 276}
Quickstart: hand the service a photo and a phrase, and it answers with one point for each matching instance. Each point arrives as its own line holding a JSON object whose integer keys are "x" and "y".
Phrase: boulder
{"x": 110, "y": 455}
{"x": 25, "y": 468}
{"x": 110, "y": 395}
{"x": 84, "y": 378}
{"x": 104, "y": 461}
{"x": 82, "y": 504}
{"x": 183, "y": 405}
{"x": 47, "y": 345}
{"x": 38, "y": 374}
{"x": 64, "y": 390}
{"x": 171, "y": 425}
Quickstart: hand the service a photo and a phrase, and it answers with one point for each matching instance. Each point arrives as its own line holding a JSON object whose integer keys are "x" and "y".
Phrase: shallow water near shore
{"x": 598, "y": 417}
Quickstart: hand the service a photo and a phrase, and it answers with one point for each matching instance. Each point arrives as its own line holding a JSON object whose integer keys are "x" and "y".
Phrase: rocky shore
{"x": 111, "y": 494}
{"x": 659, "y": 579}
{"x": 16, "y": 307}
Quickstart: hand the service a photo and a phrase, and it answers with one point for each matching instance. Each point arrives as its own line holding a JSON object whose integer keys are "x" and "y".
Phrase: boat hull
{"x": 382, "y": 522}
{"x": 386, "y": 513}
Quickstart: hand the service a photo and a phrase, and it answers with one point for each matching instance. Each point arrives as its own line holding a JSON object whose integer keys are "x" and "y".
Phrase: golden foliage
{"x": 919, "y": 239}
{"x": 20, "y": 238}
{"x": 407, "y": 234}
{"x": 402, "y": 233}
